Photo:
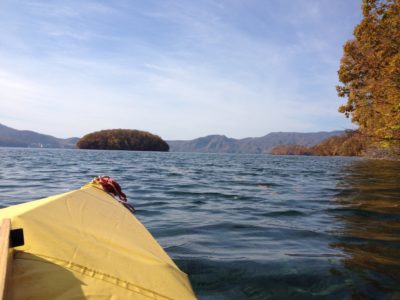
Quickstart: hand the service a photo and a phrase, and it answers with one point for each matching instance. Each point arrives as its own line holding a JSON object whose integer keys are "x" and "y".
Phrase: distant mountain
{"x": 264, "y": 144}
{"x": 10, "y": 137}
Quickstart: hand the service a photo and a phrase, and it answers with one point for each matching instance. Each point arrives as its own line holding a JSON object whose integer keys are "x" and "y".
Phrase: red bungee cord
{"x": 112, "y": 187}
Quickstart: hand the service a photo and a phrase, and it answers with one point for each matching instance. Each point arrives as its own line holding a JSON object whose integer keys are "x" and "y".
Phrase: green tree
{"x": 370, "y": 72}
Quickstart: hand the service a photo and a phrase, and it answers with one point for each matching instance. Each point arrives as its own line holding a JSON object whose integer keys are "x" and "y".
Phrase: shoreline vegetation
{"x": 369, "y": 73}
{"x": 351, "y": 143}
{"x": 122, "y": 139}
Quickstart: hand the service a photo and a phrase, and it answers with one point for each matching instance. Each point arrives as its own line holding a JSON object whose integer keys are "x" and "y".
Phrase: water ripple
{"x": 245, "y": 226}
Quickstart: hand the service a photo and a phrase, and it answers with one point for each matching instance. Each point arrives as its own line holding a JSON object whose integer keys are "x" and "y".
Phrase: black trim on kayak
{"x": 17, "y": 237}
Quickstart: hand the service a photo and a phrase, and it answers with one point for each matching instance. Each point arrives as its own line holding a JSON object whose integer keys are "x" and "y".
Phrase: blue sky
{"x": 179, "y": 69}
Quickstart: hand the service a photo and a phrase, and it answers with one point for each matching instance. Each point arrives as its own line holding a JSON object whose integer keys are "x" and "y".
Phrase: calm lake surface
{"x": 245, "y": 226}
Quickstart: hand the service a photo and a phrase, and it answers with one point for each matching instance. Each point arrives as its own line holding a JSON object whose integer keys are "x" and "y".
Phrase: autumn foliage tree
{"x": 370, "y": 73}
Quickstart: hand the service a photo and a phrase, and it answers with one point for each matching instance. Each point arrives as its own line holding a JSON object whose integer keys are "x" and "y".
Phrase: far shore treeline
{"x": 122, "y": 139}
{"x": 351, "y": 143}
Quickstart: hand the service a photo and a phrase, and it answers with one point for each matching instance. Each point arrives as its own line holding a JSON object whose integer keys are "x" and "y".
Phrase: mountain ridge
{"x": 10, "y": 137}
{"x": 215, "y": 143}
{"x": 252, "y": 145}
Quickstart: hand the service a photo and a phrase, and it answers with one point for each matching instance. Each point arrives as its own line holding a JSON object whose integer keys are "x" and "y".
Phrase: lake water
{"x": 245, "y": 226}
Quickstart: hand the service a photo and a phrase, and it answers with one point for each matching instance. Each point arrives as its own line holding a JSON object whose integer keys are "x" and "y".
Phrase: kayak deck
{"x": 85, "y": 245}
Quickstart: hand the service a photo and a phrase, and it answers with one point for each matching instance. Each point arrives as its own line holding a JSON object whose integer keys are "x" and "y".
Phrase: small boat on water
{"x": 84, "y": 244}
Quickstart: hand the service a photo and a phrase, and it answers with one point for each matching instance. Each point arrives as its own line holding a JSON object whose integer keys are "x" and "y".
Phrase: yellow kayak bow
{"x": 86, "y": 245}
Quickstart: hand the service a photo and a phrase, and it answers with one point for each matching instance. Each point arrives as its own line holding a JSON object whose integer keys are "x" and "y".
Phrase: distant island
{"x": 122, "y": 139}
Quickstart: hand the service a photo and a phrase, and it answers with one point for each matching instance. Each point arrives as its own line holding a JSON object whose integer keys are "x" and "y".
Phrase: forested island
{"x": 122, "y": 139}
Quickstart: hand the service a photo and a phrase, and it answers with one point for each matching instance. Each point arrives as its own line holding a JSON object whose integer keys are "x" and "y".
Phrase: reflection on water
{"x": 370, "y": 213}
